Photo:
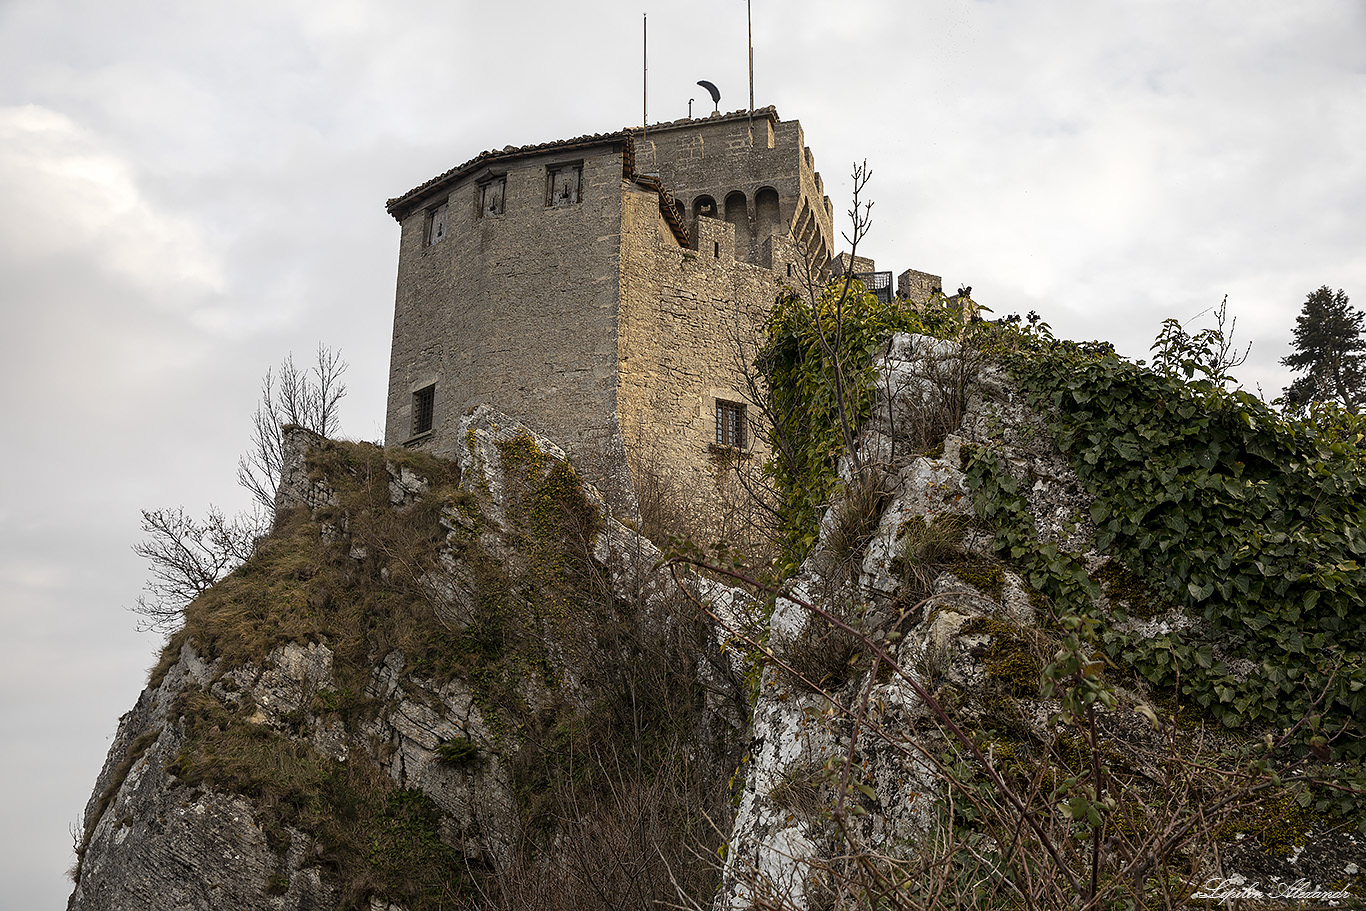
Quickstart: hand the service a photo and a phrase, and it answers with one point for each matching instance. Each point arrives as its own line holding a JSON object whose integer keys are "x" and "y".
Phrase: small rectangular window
{"x": 491, "y": 197}
{"x": 564, "y": 185}
{"x": 730, "y": 424}
{"x": 424, "y": 410}
{"x": 437, "y": 224}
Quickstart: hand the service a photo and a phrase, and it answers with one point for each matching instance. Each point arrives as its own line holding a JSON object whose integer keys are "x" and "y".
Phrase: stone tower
{"x": 596, "y": 288}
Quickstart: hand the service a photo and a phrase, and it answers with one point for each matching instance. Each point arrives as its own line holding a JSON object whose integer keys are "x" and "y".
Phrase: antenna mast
{"x": 645, "y": 74}
{"x": 749, "y": 16}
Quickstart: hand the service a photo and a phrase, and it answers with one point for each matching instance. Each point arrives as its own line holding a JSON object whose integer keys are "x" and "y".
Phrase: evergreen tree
{"x": 1330, "y": 351}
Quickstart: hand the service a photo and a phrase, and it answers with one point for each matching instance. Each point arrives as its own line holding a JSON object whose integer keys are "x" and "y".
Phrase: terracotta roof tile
{"x": 400, "y": 206}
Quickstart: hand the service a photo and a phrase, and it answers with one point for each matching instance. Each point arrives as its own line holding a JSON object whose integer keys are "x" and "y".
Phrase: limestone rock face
{"x": 176, "y": 821}
{"x": 880, "y": 567}
{"x": 778, "y": 841}
{"x": 154, "y": 843}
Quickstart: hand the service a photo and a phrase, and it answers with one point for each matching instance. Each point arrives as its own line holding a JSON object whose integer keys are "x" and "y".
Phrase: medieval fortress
{"x": 603, "y": 290}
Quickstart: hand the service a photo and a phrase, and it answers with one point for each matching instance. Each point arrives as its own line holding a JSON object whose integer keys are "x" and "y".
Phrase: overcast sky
{"x": 190, "y": 191}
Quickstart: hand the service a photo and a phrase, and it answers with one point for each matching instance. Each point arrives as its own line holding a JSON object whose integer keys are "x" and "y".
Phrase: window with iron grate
{"x": 730, "y": 424}
{"x": 424, "y": 410}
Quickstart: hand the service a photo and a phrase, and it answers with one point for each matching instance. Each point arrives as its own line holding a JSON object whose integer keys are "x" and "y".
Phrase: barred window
{"x": 730, "y": 424}
{"x": 424, "y": 409}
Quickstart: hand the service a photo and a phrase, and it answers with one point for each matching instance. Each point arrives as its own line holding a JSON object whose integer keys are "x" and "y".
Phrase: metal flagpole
{"x": 749, "y": 16}
{"x": 645, "y": 74}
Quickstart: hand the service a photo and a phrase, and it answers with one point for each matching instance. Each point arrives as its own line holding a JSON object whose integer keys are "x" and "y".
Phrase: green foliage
{"x": 461, "y": 753}
{"x": 1209, "y": 352}
{"x": 1075, "y": 675}
{"x": 1251, "y": 522}
{"x": 550, "y": 517}
{"x": 1008, "y": 656}
{"x": 807, "y": 379}
{"x": 1128, "y": 594}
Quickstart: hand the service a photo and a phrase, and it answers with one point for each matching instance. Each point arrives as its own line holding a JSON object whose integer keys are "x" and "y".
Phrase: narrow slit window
{"x": 424, "y": 410}
{"x": 730, "y": 424}
{"x": 715, "y": 249}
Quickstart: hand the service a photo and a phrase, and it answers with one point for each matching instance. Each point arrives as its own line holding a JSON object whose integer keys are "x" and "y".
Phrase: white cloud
{"x": 68, "y": 197}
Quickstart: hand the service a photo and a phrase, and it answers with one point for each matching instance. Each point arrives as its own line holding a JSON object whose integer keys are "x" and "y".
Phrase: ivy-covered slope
{"x": 1243, "y": 526}
{"x": 1248, "y": 520}
{"x": 1103, "y": 574}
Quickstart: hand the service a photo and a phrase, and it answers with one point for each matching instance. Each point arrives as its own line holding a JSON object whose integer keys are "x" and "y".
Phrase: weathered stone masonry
{"x": 596, "y": 289}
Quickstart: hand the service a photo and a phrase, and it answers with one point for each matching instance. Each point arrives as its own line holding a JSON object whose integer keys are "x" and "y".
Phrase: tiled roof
{"x": 770, "y": 112}
{"x": 400, "y": 206}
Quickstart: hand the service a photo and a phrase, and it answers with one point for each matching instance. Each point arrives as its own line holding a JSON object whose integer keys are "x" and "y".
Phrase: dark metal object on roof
{"x": 715, "y": 92}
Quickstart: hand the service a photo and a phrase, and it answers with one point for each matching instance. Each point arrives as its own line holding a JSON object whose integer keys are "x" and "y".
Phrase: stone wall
{"x": 918, "y": 286}
{"x": 517, "y": 310}
{"x": 587, "y": 318}
{"x": 764, "y": 186}
{"x": 689, "y": 320}
{"x": 844, "y": 264}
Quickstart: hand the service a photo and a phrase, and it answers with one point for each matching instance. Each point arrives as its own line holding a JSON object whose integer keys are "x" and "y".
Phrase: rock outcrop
{"x": 467, "y": 685}
{"x": 244, "y": 776}
{"x": 848, "y": 769}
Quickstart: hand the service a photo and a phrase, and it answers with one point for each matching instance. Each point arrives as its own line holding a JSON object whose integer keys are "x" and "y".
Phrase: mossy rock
{"x": 1008, "y": 658}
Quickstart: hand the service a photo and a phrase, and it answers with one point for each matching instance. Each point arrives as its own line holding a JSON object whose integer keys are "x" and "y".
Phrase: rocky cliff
{"x": 465, "y": 685}
{"x": 434, "y": 685}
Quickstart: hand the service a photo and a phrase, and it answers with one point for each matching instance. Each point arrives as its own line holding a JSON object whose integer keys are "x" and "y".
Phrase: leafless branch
{"x": 186, "y": 556}
{"x": 308, "y": 399}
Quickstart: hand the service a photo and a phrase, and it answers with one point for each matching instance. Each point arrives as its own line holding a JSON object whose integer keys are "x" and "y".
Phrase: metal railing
{"x": 879, "y": 284}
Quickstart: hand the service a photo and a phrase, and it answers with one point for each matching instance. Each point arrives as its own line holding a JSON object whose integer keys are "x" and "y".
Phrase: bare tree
{"x": 186, "y": 556}
{"x": 831, "y": 336}
{"x": 306, "y": 398}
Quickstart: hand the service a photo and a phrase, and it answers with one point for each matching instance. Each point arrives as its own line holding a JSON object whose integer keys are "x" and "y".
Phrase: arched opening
{"x": 704, "y": 205}
{"x": 737, "y": 213}
{"x": 766, "y": 213}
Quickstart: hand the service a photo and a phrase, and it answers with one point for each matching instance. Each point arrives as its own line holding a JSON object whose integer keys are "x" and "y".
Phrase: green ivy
{"x": 806, "y": 437}
{"x": 1249, "y": 521}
